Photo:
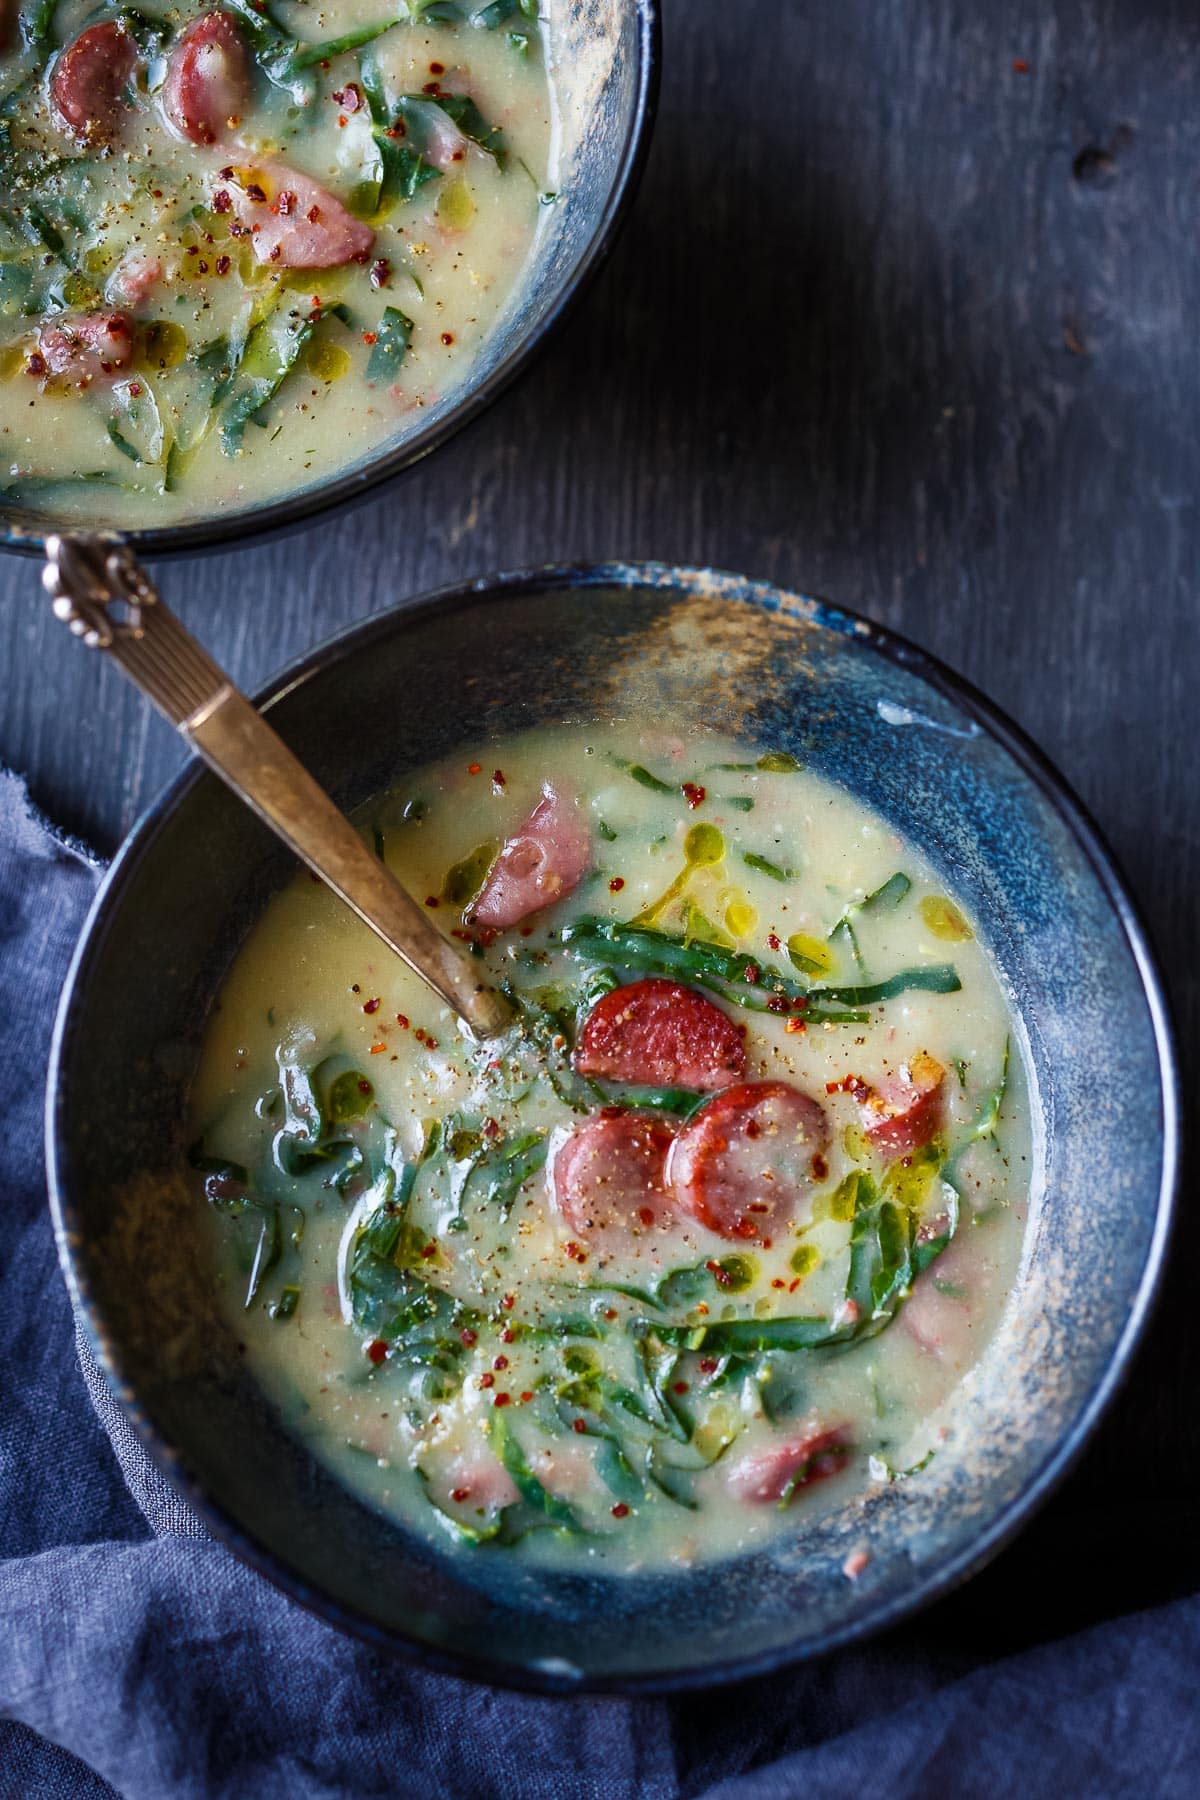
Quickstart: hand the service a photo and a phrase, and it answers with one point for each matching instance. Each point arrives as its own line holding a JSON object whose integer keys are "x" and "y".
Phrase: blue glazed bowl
{"x": 860, "y": 707}
{"x": 605, "y": 57}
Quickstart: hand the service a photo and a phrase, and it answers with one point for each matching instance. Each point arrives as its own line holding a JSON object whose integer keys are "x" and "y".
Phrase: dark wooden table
{"x": 906, "y": 315}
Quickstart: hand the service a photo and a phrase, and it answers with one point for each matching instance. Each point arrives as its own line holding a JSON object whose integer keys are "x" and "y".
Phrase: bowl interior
{"x": 858, "y": 708}
{"x": 603, "y": 66}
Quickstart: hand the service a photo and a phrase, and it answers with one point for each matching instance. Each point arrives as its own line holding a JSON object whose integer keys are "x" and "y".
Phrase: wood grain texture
{"x": 903, "y": 322}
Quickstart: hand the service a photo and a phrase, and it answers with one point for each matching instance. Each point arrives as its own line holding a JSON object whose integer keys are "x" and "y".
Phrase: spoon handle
{"x": 101, "y": 591}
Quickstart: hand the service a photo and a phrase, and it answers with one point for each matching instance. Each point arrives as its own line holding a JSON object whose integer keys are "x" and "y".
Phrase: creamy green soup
{"x": 706, "y": 1244}
{"x": 242, "y": 247}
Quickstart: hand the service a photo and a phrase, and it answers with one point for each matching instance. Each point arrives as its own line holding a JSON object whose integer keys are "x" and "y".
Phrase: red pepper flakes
{"x": 501, "y": 1362}
{"x": 432, "y": 901}
{"x": 526, "y": 1397}
{"x": 819, "y": 1166}
{"x": 402, "y": 1021}
{"x": 370, "y": 337}
{"x": 381, "y": 272}
{"x": 364, "y": 1086}
{"x": 428, "y": 1250}
{"x": 793, "y": 1285}
{"x": 468, "y": 1337}
{"x": 620, "y": 1510}
{"x": 850, "y": 1084}
{"x": 313, "y": 214}
{"x": 610, "y": 1312}
{"x": 447, "y": 338}
{"x": 575, "y": 1253}
{"x": 693, "y": 794}
{"x": 460, "y": 1494}
{"x": 679, "y": 1387}
{"x": 371, "y": 1006}
{"x": 773, "y": 942}
{"x": 720, "y": 1275}
{"x": 349, "y": 97}
{"x": 508, "y": 1335}
{"x": 508, "y": 1302}
{"x": 499, "y": 779}
{"x": 502, "y": 1400}
{"x": 777, "y": 1283}
{"x": 378, "y": 1049}
{"x": 579, "y": 1425}
{"x": 616, "y": 884}
{"x": 778, "y": 1003}
{"x": 376, "y": 1351}
{"x": 487, "y": 1379}
{"x": 224, "y": 264}
{"x": 646, "y": 1215}
{"x": 437, "y": 68}
{"x": 135, "y": 389}
{"x": 750, "y": 973}
{"x": 794, "y": 1026}
{"x": 709, "y": 1365}
{"x": 1020, "y": 66}
{"x": 36, "y": 363}
{"x": 474, "y": 768}
{"x": 527, "y": 931}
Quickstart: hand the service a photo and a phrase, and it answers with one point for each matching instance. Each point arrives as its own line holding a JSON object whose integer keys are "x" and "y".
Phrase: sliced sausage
{"x": 607, "y": 1177}
{"x": 86, "y": 346}
{"x": 743, "y": 1164}
{"x": 135, "y": 278}
{"x": 291, "y": 220}
{"x": 780, "y": 1472}
{"x": 662, "y": 1034}
{"x": 207, "y": 88}
{"x": 90, "y": 84}
{"x": 543, "y": 862}
{"x": 903, "y": 1114}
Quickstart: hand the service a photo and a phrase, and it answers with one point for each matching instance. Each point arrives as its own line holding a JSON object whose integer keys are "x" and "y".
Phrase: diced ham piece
{"x": 606, "y": 1178}
{"x": 90, "y": 84}
{"x": 774, "y": 1476}
{"x": 87, "y": 346}
{"x": 207, "y": 88}
{"x": 293, "y": 222}
{"x": 905, "y": 1113}
{"x": 661, "y": 1034}
{"x": 746, "y": 1163}
{"x": 544, "y": 862}
{"x": 134, "y": 279}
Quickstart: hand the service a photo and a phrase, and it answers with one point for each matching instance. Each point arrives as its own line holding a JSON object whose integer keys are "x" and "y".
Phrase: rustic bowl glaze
{"x": 859, "y": 706}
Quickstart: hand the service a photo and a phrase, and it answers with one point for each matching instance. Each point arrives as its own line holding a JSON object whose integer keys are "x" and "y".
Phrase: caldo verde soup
{"x": 241, "y": 247}
{"x": 707, "y": 1242}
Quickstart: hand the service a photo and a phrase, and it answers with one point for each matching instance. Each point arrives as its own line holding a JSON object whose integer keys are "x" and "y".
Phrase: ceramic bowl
{"x": 605, "y": 59}
{"x": 859, "y": 706}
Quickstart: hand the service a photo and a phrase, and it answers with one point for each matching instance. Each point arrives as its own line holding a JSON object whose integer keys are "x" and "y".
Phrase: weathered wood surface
{"x": 906, "y": 315}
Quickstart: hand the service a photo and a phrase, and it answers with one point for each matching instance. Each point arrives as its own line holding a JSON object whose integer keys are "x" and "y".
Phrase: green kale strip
{"x": 403, "y": 171}
{"x": 461, "y": 110}
{"x": 390, "y": 347}
{"x": 886, "y": 897}
{"x": 272, "y": 351}
{"x": 745, "y": 981}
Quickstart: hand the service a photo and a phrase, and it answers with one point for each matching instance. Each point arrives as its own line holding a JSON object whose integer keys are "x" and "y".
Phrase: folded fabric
{"x": 137, "y": 1655}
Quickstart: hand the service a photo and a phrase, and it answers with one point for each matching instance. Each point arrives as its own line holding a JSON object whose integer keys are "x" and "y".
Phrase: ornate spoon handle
{"x": 101, "y": 591}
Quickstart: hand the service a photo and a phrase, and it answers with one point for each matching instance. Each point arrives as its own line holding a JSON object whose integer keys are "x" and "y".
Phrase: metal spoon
{"x": 101, "y": 591}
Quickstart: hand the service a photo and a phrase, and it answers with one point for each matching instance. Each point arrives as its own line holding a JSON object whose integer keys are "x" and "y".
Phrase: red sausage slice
{"x": 87, "y": 346}
{"x": 607, "y": 1177}
{"x": 905, "y": 1113}
{"x": 292, "y": 220}
{"x": 543, "y": 862}
{"x": 779, "y": 1473}
{"x": 663, "y": 1034}
{"x": 208, "y": 80}
{"x": 743, "y": 1164}
{"x": 90, "y": 83}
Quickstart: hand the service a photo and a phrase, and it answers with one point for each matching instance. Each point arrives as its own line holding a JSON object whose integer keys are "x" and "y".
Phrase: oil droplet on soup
{"x": 244, "y": 247}
{"x": 572, "y": 1293}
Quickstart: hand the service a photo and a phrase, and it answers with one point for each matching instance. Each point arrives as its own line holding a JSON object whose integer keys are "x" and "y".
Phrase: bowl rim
{"x": 572, "y": 579}
{"x": 214, "y": 533}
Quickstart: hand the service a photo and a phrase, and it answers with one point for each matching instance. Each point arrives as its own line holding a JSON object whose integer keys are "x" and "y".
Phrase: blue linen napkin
{"x": 137, "y": 1656}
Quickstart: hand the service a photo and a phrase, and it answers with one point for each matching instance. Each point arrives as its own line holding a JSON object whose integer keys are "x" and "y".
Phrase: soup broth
{"x": 707, "y": 1243}
{"x": 242, "y": 248}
